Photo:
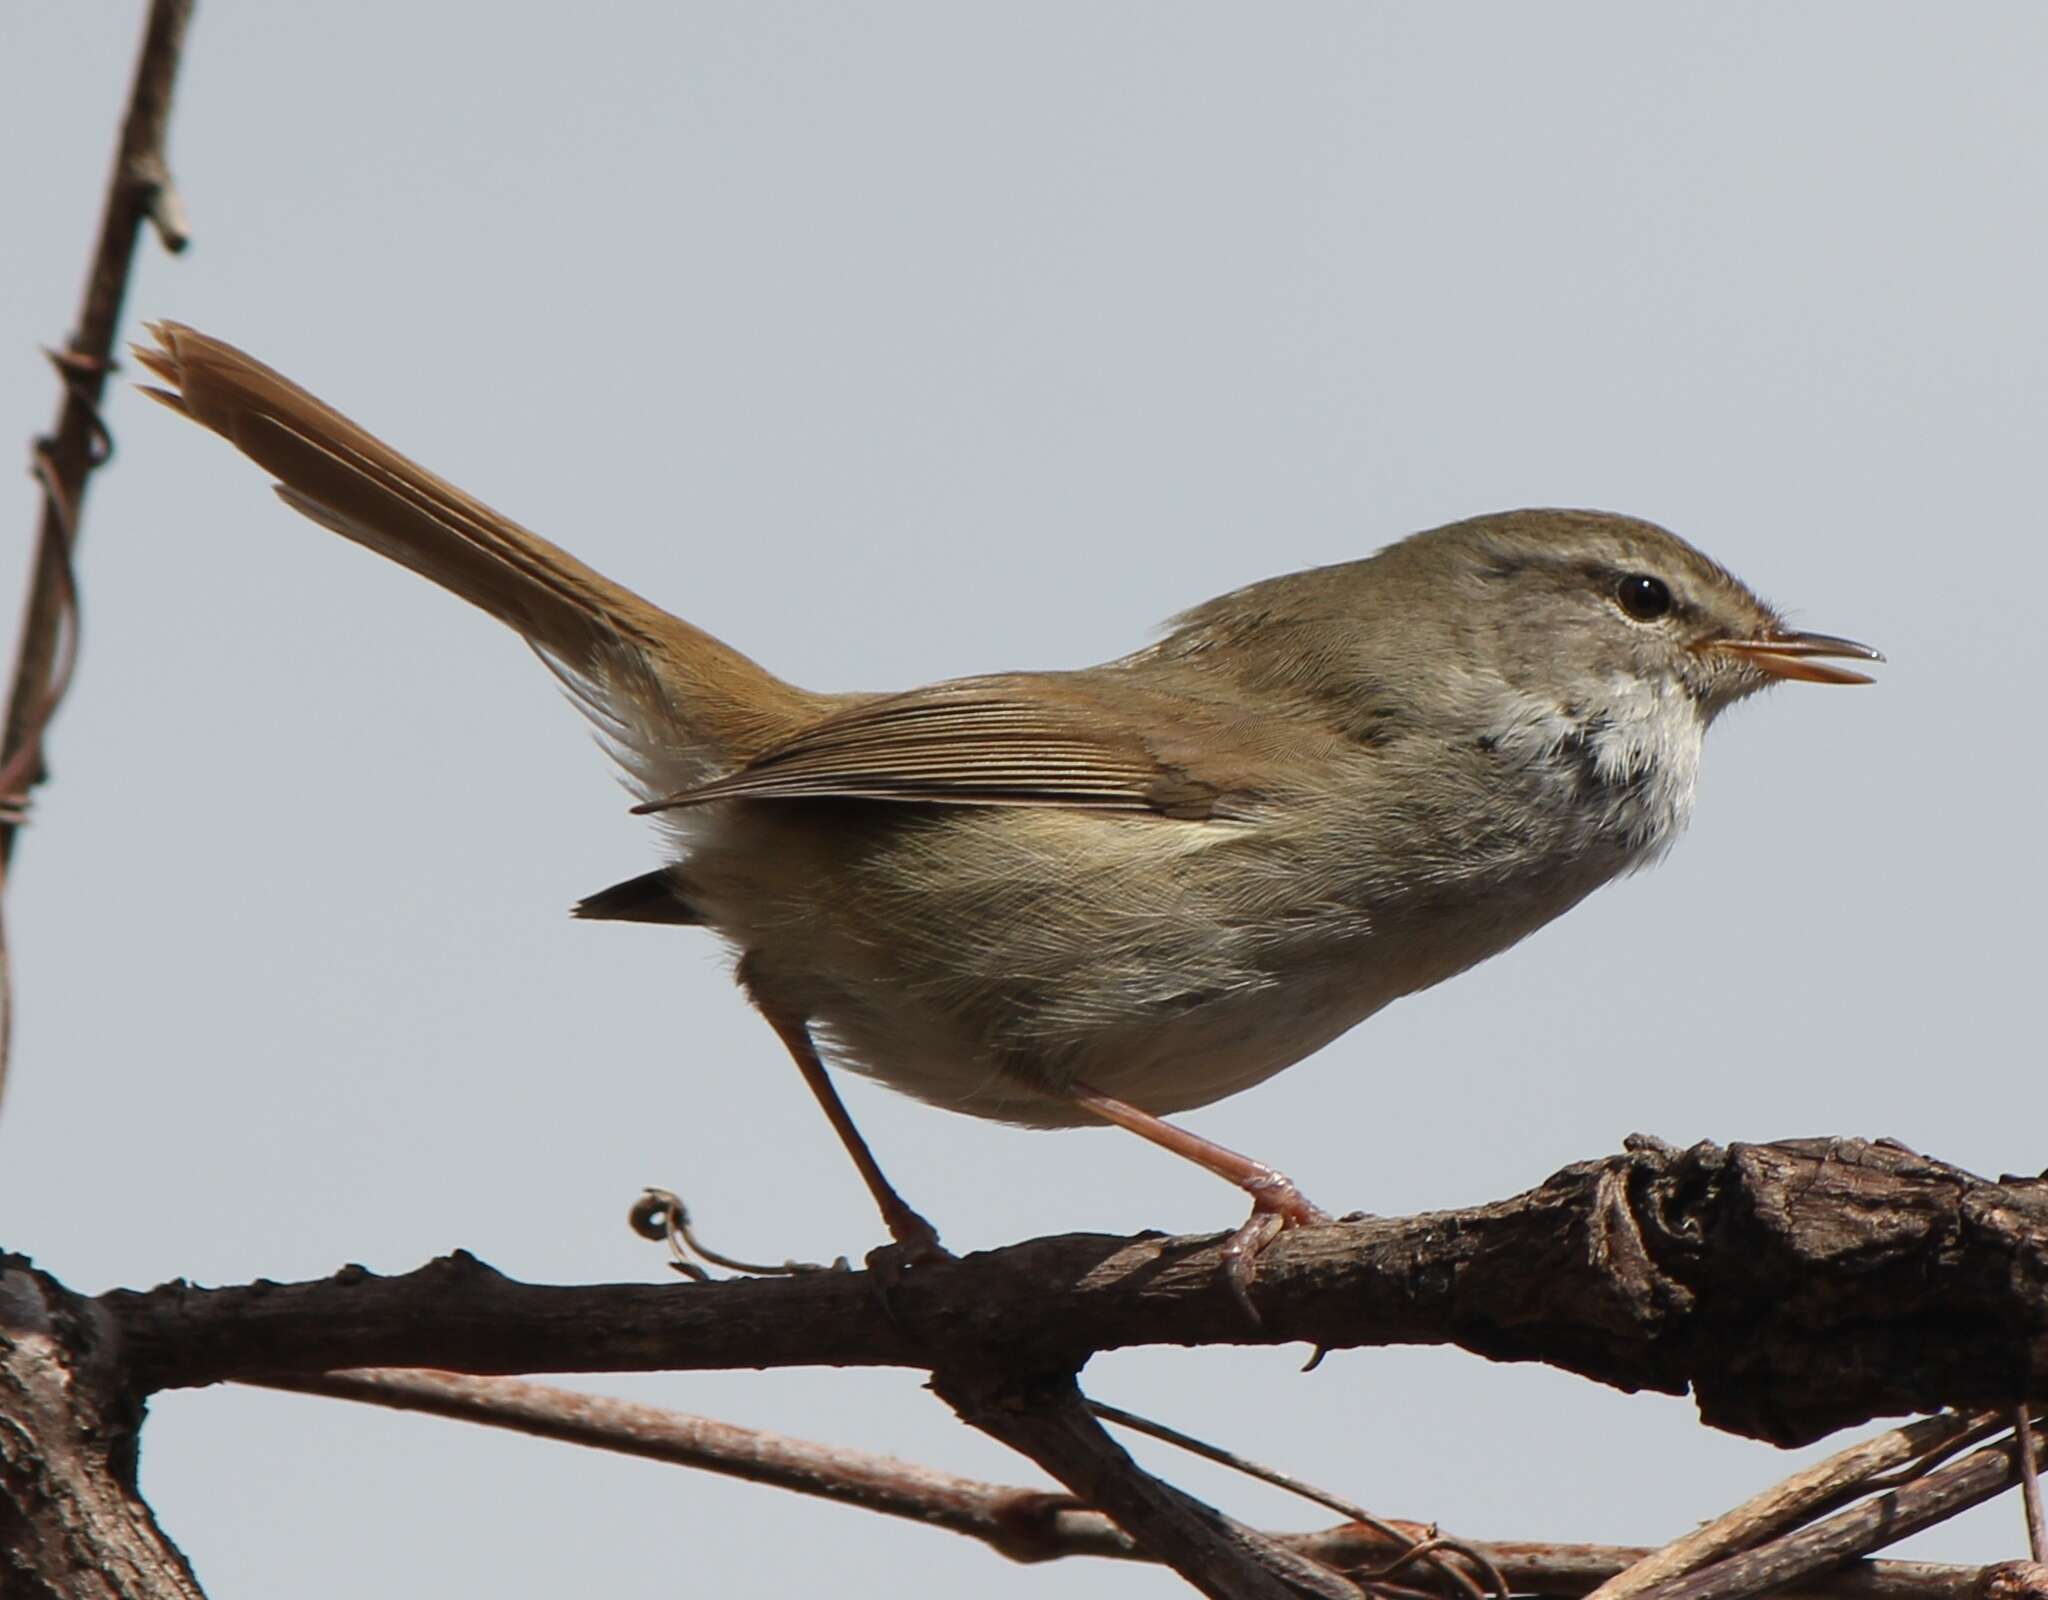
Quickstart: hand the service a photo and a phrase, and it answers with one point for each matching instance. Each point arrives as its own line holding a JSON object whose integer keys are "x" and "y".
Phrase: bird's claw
{"x": 1277, "y": 1205}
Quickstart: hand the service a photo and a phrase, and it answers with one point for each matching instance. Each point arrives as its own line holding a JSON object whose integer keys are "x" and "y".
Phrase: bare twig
{"x": 64, "y": 460}
{"x": 1021, "y": 1523}
{"x": 1869, "y": 1525}
{"x": 2030, "y": 1494}
{"x": 1047, "y": 1420}
{"x": 1426, "y": 1544}
{"x": 1793, "y": 1502}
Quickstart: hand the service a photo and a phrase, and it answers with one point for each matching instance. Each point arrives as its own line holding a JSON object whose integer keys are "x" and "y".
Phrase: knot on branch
{"x": 1784, "y": 1281}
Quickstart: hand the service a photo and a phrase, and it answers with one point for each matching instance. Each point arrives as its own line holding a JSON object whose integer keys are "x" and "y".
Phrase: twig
{"x": 1424, "y": 1545}
{"x": 1869, "y": 1525}
{"x": 1023, "y": 1524}
{"x": 2030, "y": 1493}
{"x": 1793, "y": 1502}
{"x": 64, "y": 460}
{"x": 1047, "y": 1420}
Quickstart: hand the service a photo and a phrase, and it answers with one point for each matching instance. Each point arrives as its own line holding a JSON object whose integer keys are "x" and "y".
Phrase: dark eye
{"x": 1643, "y": 597}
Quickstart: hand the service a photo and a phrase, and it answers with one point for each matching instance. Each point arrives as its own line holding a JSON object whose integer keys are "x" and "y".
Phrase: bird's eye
{"x": 1643, "y": 597}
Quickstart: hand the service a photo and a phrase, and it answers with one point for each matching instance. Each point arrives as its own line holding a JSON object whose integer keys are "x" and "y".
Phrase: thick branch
{"x": 71, "y": 1523}
{"x": 1796, "y": 1288}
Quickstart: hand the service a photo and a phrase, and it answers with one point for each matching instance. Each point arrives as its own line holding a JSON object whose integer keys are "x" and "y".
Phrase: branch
{"x": 1031, "y": 1525}
{"x": 1795, "y": 1288}
{"x": 1800, "y": 1498}
{"x": 71, "y": 1522}
{"x": 1887, "y": 1518}
{"x": 139, "y": 189}
{"x": 1046, "y": 1419}
{"x": 1024, "y": 1524}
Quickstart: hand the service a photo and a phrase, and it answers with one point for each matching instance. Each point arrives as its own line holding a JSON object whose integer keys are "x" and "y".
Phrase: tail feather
{"x": 673, "y": 698}
{"x": 656, "y": 896}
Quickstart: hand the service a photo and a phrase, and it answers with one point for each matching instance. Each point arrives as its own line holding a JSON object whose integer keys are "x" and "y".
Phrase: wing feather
{"x": 1052, "y": 739}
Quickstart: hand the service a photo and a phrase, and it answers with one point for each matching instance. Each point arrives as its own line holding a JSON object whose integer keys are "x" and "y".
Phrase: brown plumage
{"x": 354, "y": 484}
{"x": 1055, "y": 898}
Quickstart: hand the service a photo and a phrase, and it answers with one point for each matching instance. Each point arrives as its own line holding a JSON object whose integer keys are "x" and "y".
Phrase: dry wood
{"x": 1793, "y": 1502}
{"x": 1023, "y": 1524}
{"x": 139, "y": 190}
{"x": 1796, "y": 1288}
{"x": 72, "y": 1526}
{"x": 2030, "y": 1496}
{"x": 1869, "y": 1525}
{"x": 1046, "y": 1419}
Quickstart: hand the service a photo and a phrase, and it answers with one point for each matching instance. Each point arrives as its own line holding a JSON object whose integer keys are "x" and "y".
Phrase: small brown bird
{"x": 1063, "y": 898}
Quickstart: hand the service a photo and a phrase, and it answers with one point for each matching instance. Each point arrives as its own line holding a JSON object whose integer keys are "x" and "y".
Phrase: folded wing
{"x": 1052, "y": 739}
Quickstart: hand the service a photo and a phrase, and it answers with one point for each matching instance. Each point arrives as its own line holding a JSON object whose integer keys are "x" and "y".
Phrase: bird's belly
{"x": 1159, "y": 1061}
{"x": 984, "y": 961}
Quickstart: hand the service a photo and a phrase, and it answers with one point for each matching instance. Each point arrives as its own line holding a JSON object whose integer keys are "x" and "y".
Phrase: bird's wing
{"x": 1054, "y": 739}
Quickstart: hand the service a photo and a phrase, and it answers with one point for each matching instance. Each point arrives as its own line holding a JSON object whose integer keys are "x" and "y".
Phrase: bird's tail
{"x": 677, "y": 705}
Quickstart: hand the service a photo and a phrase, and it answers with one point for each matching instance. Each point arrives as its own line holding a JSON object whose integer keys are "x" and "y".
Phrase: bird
{"x": 1108, "y": 895}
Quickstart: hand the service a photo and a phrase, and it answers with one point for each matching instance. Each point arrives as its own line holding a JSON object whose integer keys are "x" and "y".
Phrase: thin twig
{"x": 1047, "y": 1420}
{"x": 1791, "y": 1503}
{"x": 139, "y": 189}
{"x": 1869, "y": 1525}
{"x": 2030, "y": 1490}
{"x": 1023, "y": 1524}
{"x": 1987, "y": 1425}
{"x": 1426, "y": 1545}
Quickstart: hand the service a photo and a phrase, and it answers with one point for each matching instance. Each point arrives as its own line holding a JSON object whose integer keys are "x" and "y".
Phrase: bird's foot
{"x": 913, "y": 1242}
{"x": 1277, "y": 1205}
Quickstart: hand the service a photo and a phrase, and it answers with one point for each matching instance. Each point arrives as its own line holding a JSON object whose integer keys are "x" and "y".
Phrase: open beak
{"x": 1799, "y": 655}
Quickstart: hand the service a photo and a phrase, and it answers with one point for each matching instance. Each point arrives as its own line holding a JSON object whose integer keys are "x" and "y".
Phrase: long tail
{"x": 677, "y": 705}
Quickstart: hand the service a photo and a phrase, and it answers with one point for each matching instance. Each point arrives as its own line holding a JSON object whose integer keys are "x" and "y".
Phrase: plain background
{"x": 900, "y": 341}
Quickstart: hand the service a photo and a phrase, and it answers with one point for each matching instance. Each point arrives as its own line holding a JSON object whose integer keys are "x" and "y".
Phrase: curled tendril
{"x": 660, "y": 1214}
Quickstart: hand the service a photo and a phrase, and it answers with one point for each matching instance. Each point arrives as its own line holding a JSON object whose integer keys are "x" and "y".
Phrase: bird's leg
{"x": 1273, "y": 1193}
{"x": 917, "y": 1237}
{"x": 1276, "y": 1203}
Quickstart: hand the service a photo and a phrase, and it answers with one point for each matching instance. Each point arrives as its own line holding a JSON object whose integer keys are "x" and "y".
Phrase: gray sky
{"x": 898, "y": 341}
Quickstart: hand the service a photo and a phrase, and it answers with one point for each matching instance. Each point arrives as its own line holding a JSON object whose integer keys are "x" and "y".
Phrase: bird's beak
{"x": 1798, "y": 655}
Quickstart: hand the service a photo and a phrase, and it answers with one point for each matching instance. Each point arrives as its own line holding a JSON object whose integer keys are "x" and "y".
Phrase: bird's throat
{"x": 1616, "y": 772}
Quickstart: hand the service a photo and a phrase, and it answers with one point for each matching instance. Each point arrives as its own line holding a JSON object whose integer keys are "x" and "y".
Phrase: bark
{"x": 72, "y": 1526}
{"x": 1793, "y": 1288}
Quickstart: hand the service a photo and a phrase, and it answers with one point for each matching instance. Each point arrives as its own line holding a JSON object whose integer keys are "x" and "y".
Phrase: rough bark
{"x": 72, "y": 1526}
{"x": 1794, "y": 1288}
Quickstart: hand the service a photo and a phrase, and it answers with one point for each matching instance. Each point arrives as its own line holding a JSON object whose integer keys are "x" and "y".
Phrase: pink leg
{"x": 1276, "y": 1203}
{"x": 917, "y": 1236}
